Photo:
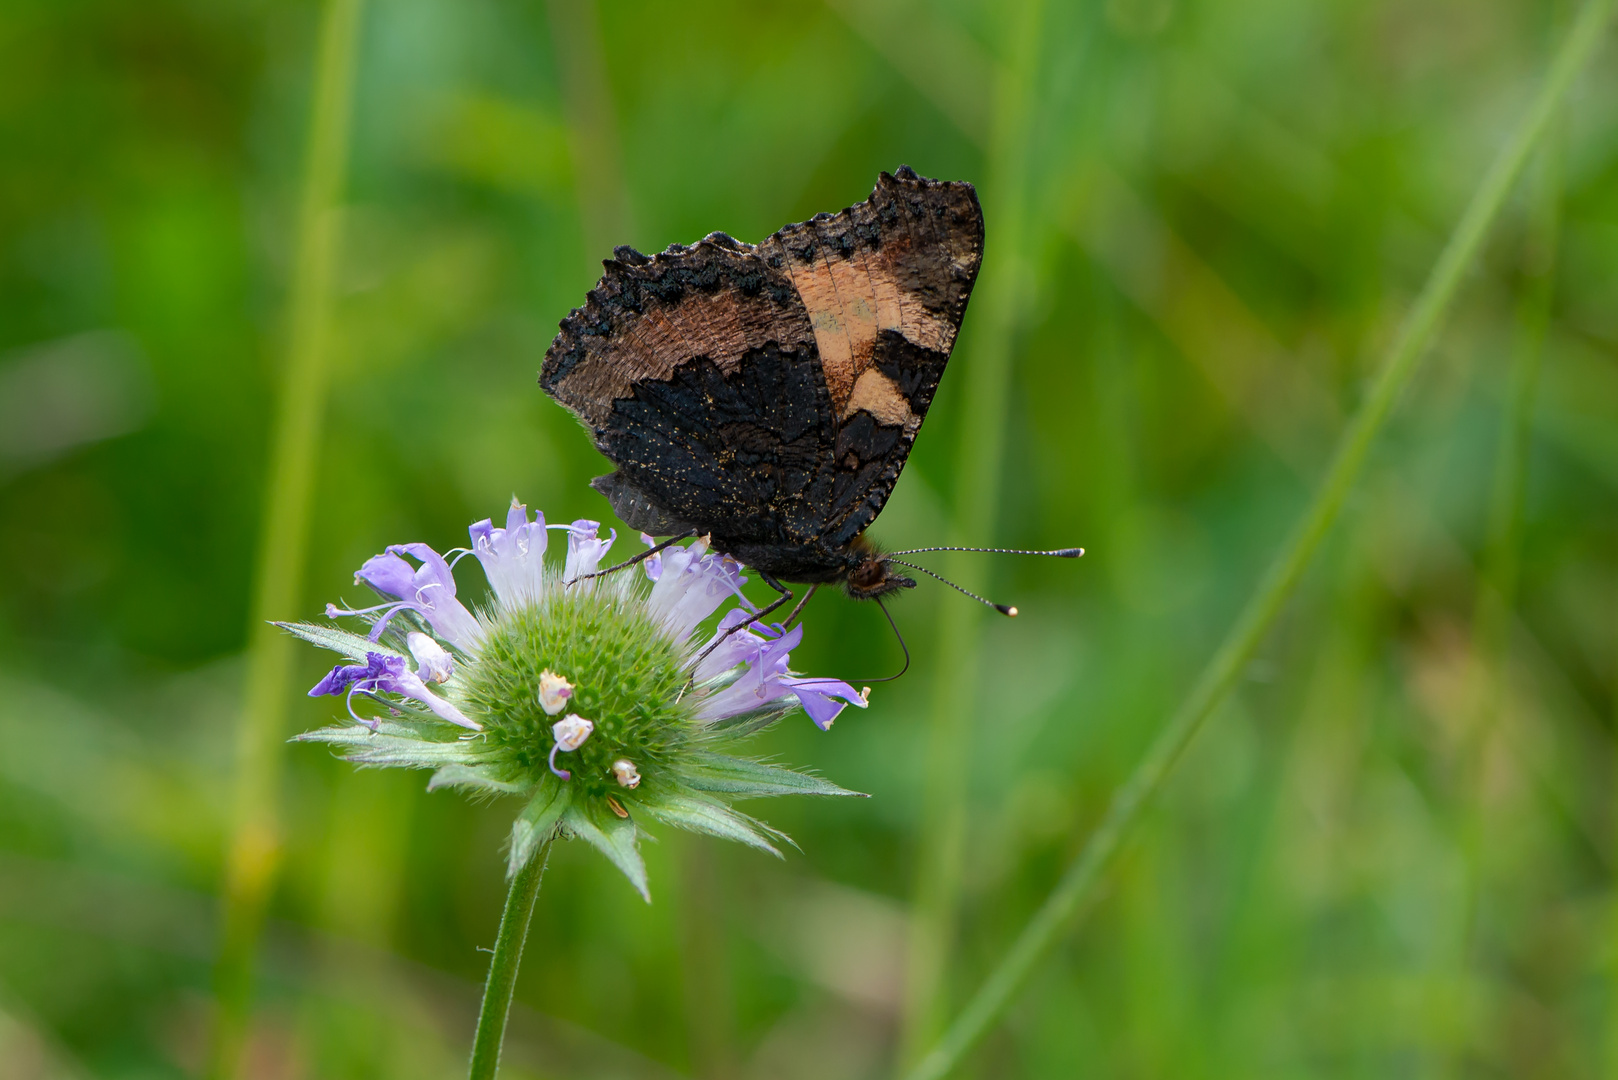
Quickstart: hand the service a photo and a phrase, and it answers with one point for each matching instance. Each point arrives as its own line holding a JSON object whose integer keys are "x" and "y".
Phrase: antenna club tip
{"x": 1006, "y": 609}
{"x": 1069, "y": 553}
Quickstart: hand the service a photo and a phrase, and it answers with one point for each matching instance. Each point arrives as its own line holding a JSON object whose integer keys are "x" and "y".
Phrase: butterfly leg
{"x": 799, "y": 609}
{"x": 633, "y": 559}
{"x": 786, "y": 595}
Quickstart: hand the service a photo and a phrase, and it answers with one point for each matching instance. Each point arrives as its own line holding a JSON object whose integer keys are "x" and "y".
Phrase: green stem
{"x": 598, "y": 174}
{"x": 1611, "y": 1047}
{"x": 981, "y": 453}
{"x": 253, "y": 855}
{"x": 1496, "y": 596}
{"x": 1078, "y": 883}
{"x": 497, "y": 992}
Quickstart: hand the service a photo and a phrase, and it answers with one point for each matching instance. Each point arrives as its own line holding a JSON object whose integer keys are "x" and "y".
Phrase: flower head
{"x": 584, "y": 695}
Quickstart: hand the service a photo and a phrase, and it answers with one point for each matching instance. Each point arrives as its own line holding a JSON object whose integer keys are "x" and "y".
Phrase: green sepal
{"x": 482, "y": 779}
{"x": 702, "y": 814}
{"x": 614, "y": 837}
{"x": 744, "y": 778}
{"x": 361, "y": 744}
{"x": 352, "y": 646}
{"x": 750, "y": 723}
{"x": 537, "y": 823}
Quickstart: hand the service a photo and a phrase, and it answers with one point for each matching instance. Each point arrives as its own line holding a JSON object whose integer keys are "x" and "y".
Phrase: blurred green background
{"x": 1391, "y": 855}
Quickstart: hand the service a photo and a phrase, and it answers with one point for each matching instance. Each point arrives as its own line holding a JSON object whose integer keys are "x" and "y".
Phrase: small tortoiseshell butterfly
{"x": 768, "y": 395}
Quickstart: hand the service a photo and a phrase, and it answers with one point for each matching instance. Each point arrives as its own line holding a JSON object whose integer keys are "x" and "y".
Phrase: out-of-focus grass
{"x": 253, "y": 856}
{"x": 1229, "y": 207}
{"x": 1087, "y": 872}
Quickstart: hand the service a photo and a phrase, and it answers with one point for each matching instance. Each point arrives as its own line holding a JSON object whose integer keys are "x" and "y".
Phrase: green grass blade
{"x": 252, "y": 856}
{"x": 1078, "y": 883}
{"x": 979, "y": 464}
{"x": 1485, "y": 706}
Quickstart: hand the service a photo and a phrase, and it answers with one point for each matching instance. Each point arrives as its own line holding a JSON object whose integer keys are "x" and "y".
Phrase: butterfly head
{"x": 871, "y": 574}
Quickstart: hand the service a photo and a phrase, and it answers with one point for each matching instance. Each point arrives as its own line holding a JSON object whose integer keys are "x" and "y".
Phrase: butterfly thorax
{"x": 864, "y": 572}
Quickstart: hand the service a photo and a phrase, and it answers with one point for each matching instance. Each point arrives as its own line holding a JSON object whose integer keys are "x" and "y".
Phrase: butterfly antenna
{"x": 1060, "y": 553}
{"x": 902, "y": 645}
{"x": 1004, "y": 609}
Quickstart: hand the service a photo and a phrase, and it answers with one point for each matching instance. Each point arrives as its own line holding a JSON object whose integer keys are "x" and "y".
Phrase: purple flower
{"x": 428, "y": 590}
{"x": 741, "y": 647}
{"x": 433, "y": 661}
{"x": 767, "y": 678}
{"x": 746, "y": 670}
{"x": 818, "y": 698}
{"x": 690, "y": 586}
{"x": 633, "y": 646}
{"x": 513, "y": 558}
{"x": 585, "y": 548}
{"x": 653, "y": 564}
{"x": 389, "y": 675}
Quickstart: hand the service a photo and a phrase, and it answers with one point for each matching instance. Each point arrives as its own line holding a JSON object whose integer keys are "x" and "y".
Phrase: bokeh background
{"x": 1392, "y": 854}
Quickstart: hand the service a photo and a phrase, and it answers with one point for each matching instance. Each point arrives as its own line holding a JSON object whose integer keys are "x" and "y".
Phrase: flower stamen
{"x": 627, "y": 775}
{"x": 570, "y": 733}
{"x": 554, "y": 692}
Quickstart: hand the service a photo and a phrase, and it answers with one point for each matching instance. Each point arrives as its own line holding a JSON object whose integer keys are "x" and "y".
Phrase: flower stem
{"x": 491, "y": 1033}
{"x": 1077, "y": 886}
{"x": 252, "y": 857}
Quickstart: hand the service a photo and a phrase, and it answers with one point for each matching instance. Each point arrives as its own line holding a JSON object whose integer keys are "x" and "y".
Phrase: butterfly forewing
{"x": 769, "y": 395}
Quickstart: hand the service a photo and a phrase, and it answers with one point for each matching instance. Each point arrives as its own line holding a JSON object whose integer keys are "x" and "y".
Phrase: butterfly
{"x": 768, "y": 395}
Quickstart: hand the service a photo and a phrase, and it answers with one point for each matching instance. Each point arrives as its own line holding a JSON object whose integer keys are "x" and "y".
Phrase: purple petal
{"x": 744, "y": 695}
{"x": 818, "y": 697}
{"x": 513, "y": 558}
{"x": 653, "y": 565}
{"x": 338, "y": 680}
{"x": 585, "y": 549}
{"x": 691, "y": 585}
{"x": 774, "y": 654}
{"x": 433, "y": 661}
{"x": 390, "y": 575}
{"x": 409, "y": 685}
{"x": 377, "y": 668}
{"x": 432, "y": 595}
{"x": 742, "y": 647}
{"x": 433, "y": 573}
